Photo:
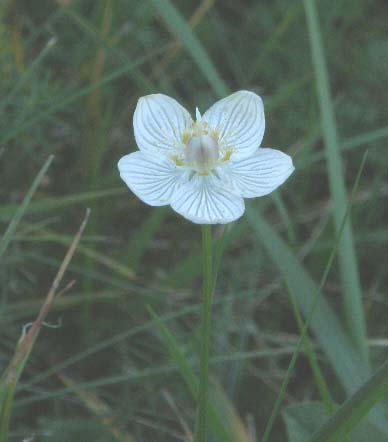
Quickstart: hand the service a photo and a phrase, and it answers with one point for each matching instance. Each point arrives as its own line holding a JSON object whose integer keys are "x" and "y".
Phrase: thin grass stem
{"x": 322, "y": 386}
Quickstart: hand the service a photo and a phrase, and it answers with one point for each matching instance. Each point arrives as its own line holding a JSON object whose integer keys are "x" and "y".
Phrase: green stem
{"x": 207, "y": 291}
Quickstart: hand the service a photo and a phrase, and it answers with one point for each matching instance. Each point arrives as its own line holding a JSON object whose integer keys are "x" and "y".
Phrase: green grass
{"x": 347, "y": 259}
{"x": 70, "y": 78}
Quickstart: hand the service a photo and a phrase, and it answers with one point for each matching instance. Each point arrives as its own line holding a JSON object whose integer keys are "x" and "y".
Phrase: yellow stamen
{"x": 227, "y": 155}
{"x": 177, "y": 161}
{"x": 185, "y": 137}
{"x": 215, "y": 135}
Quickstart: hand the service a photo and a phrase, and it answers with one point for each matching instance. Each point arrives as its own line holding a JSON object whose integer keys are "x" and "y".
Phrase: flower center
{"x": 202, "y": 153}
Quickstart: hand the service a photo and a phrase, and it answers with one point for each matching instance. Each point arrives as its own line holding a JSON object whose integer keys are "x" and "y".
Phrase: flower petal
{"x": 159, "y": 122}
{"x": 152, "y": 178}
{"x": 203, "y": 200}
{"x": 239, "y": 121}
{"x": 259, "y": 174}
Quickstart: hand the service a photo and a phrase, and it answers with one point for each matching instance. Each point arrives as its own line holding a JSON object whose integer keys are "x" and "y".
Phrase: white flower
{"x": 202, "y": 168}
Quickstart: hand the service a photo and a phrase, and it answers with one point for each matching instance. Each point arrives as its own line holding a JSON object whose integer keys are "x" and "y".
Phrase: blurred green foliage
{"x": 71, "y": 72}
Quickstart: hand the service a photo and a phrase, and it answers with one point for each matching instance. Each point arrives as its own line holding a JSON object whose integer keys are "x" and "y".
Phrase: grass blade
{"x": 141, "y": 375}
{"x": 90, "y": 252}
{"x": 350, "y": 369}
{"x": 7, "y": 237}
{"x": 27, "y": 74}
{"x": 178, "y": 26}
{"x": 143, "y": 236}
{"x": 310, "y": 315}
{"x": 355, "y": 408}
{"x": 320, "y": 381}
{"x": 347, "y": 258}
{"x": 327, "y": 328}
{"x": 47, "y": 204}
{"x": 189, "y": 377}
{"x": 130, "y": 334}
{"x": 192, "y": 22}
{"x": 99, "y": 408}
{"x": 10, "y": 377}
{"x": 352, "y": 143}
{"x": 65, "y": 101}
{"x": 365, "y": 138}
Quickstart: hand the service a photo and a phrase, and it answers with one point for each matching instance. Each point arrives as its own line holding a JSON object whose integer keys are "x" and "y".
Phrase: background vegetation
{"x": 71, "y": 73}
